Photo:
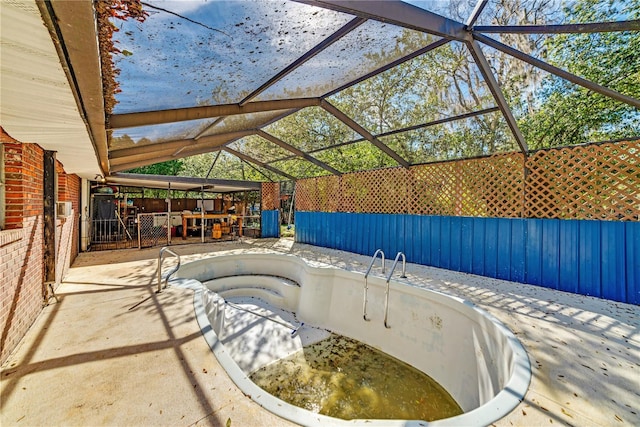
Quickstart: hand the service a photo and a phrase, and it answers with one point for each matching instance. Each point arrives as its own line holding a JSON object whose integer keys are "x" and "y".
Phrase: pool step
{"x": 274, "y": 290}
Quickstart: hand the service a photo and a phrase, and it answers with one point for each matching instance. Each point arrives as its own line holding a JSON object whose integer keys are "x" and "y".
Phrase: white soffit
{"x": 36, "y": 101}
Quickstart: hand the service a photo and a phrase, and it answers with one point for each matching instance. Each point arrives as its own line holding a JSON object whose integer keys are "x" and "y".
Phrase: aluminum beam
{"x": 401, "y": 130}
{"x": 258, "y": 162}
{"x": 119, "y": 121}
{"x": 494, "y": 87}
{"x": 273, "y": 120}
{"x": 341, "y": 32}
{"x": 158, "y": 159}
{"x": 219, "y": 139}
{"x": 475, "y": 14}
{"x": 141, "y": 157}
{"x": 324, "y": 44}
{"x": 180, "y": 183}
{"x": 170, "y": 154}
{"x": 208, "y": 128}
{"x": 362, "y": 131}
{"x": 397, "y": 13}
{"x": 596, "y": 27}
{"x": 440, "y": 121}
{"x": 297, "y": 152}
{"x": 389, "y": 66}
{"x": 558, "y": 71}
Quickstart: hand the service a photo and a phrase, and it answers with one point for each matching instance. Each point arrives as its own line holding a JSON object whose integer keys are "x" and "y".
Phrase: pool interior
{"x": 324, "y": 372}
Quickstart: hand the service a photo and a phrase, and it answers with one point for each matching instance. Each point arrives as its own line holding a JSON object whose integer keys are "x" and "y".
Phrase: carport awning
{"x": 182, "y": 183}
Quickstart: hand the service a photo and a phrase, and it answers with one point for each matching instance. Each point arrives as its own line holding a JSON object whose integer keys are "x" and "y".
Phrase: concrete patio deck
{"x": 112, "y": 352}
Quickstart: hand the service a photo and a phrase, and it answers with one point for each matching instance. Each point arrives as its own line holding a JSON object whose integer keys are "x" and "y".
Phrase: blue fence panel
{"x": 396, "y": 234}
{"x": 504, "y": 248}
{"x": 323, "y": 230}
{"x": 377, "y": 241}
{"x": 534, "y": 252}
{"x": 491, "y": 247}
{"x": 316, "y": 230}
{"x": 368, "y": 237}
{"x": 335, "y": 226}
{"x": 569, "y": 270}
{"x": 407, "y": 231}
{"x": 270, "y": 221}
{"x": 361, "y": 234}
{"x": 518, "y": 250}
{"x": 589, "y": 254}
{"x": 466, "y": 245}
{"x": 325, "y": 226}
{"x": 414, "y": 231}
{"x": 435, "y": 241}
{"x": 445, "y": 242}
{"x": 550, "y": 253}
{"x": 455, "y": 231}
{"x": 597, "y": 258}
{"x": 306, "y": 234}
{"x": 348, "y": 229}
{"x": 309, "y": 233}
{"x": 613, "y": 260}
{"x": 301, "y": 227}
{"x": 385, "y": 233}
{"x": 332, "y": 230}
{"x": 478, "y": 242}
{"x": 425, "y": 240}
{"x": 632, "y": 247}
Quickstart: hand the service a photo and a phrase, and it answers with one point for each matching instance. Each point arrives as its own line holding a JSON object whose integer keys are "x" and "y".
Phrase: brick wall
{"x": 22, "y": 289}
{"x": 21, "y": 246}
{"x": 21, "y": 269}
{"x": 23, "y": 181}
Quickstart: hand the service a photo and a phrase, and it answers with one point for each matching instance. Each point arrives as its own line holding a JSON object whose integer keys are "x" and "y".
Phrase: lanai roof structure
{"x": 205, "y": 76}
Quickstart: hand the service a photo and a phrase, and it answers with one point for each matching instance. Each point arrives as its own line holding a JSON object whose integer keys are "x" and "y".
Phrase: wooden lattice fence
{"x": 598, "y": 181}
{"x": 270, "y": 196}
{"x": 587, "y": 182}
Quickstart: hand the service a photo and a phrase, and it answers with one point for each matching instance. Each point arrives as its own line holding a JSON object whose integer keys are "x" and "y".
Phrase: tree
{"x": 570, "y": 114}
{"x": 168, "y": 168}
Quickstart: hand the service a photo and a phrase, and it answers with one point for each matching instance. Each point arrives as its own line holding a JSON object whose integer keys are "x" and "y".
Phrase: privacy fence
{"x": 270, "y": 209}
{"x": 563, "y": 218}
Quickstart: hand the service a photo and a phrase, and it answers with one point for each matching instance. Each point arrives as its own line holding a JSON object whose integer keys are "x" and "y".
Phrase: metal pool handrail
{"x": 366, "y": 285}
{"x": 386, "y": 292}
{"x": 173, "y": 270}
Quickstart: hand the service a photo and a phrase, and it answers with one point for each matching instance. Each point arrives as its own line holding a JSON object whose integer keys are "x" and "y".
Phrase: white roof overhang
{"x": 37, "y": 102}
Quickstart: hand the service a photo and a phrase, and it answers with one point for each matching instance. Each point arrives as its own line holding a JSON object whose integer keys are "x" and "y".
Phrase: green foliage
{"x": 571, "y": 114}
{"x": 226, "y": 166}
{"x": 168, "y": 168}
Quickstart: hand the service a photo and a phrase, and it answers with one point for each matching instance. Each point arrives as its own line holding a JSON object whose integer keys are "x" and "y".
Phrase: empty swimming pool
{"x": 470, "y": 354}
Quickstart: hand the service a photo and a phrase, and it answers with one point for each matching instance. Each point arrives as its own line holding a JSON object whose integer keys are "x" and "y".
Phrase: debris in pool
{"x": 326, "y": 378}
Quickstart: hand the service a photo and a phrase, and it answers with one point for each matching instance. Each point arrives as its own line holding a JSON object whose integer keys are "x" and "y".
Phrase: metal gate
{"x": 108, "y": 234}
{"x": 153, "y": 229}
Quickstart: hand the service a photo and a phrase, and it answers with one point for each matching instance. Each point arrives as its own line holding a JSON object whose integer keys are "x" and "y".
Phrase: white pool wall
{"x": 472, "y": 355}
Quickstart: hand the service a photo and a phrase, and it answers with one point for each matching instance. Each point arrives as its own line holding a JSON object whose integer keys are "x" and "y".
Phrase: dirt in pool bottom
{"x": 347, "y": 379}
